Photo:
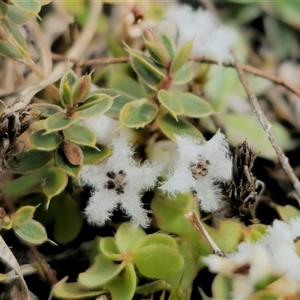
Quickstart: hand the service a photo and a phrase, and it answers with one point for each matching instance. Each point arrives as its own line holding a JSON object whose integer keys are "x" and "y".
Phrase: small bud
{"x": 150, "y": 35}
{"x": 67, "y": 82}
{"x": 81, "y": 88}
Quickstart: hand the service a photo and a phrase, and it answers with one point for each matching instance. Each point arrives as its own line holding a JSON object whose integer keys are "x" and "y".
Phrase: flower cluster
{"x": 210, "y": 39}
{"x": 274, "y": 255}
{"x": 201, "y": 167}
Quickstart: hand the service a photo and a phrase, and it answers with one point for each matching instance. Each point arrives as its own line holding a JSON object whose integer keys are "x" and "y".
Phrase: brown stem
{"x": 116, "y": 60}
{"x": 259, "y": 113}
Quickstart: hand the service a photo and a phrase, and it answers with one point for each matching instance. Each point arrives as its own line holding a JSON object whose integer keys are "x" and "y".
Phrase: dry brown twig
{"x": 258, "y": 111}
{"x": 116, "y": 60}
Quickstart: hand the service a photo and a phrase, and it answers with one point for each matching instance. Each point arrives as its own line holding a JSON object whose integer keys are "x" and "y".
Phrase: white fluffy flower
{"x": 274, "y": 254}
{"x": 200, "y": 168}
{"x": 210, "y": 39}
{"x": 119, "y": 180}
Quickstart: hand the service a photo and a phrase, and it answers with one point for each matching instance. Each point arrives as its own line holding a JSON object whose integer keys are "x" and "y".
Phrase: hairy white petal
{"x": 208, "y": 194}
{"x": 133, "y": 180}
{"x": 211, "y": 40}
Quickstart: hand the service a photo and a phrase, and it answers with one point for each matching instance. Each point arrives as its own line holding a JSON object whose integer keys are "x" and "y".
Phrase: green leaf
{"x": 194, "y": 106}
{"x": 65, "y": 88}
{"x": 10, "y": 51}
{"x": 73, "y": 291}
{"x": 183, "y": 75}
{"x": 23, "y": 215}
{"x": 32, "y": 6}
{"x": 44, "y": 142}
{"x": 122, "y": 287}
{"x": 181, "y": 56}
{"x": 32, "y": 232}
{"x": 227, "y": 236}
{"x": 165, "y": 261}
{"x": 155, "y": 239}
{"x": 30, "y": 160}
{"x": 123, "y": 83}
{"x": 146, "y": 69}
{"x": 171, "y": 102}
{"x": 64, "y": 165}
{"x": 127, "y": 235}
{"x": 3, "y": 9}
{"x": 109, "y": 248}
{"x": 169, "y": 44}
{"x": 92, "y": 155}
{"x": 55, "y": 182}
{"x": 94, "y": 105}
{"x": 170, "y": 126}
{"x": 245, "y": 126}
{"x": 152, "y": 287}
{"x": 120, "y": 99}
{"x": 68, "y": 218}
{"x": 158, "y": 52}
{"x": 25, "y": 185}
{"x": 101, "y": 272}
{"x": 57, "y": 122}
{"x": 17, "y": 15}
{"x": 80, "y": 135}
{"x": 13, "y": 37}
{"x": 287, "y": 212}
{"x": 81, "y": 89}
{"x": 222, "y": 287}
{"x": 138, "y": 113}
{"x": 44, "y": 110}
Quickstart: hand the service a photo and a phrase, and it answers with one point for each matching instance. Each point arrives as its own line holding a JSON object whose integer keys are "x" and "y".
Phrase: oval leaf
{"x": 55, "y": 182}
{"x": 194, "y": 106}
{"x": 146, "y": 69}
{"x": 32, "y": 6}
{"x": 170, "y": 101}
{"x": 68, "y": 218}
{"x": 123, "y": 286}
{"x": 32, "y": 232}
{"x": 80, "y": 135}
{"x": 165, "y": 261}
{"x": 183, "y": 75}
{"x": 57, "y": 122}
{"x": 138, "y": 113}
{"x": 127, "y": 235}
{"x": 110, "y": 249}
{"x": 65, "y": 88}
{"x": 155, "y": 239}
{"x": 74, "y": 290}
{"x": 93, "y": 156}
{"x": 44, "y": 110}
{"x": 23, "y": 215}
{"x": 30, "y": 160}
{"x": 44, "y": 142}
{"x": 170, "y": 126}
{"x": 169, "y": 44}
{"x": 102, "y": 271}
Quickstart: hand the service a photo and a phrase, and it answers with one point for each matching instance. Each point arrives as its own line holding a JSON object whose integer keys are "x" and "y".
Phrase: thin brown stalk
{"x": 259, "y": 113}
{"x": 193, "y": 218}
{"x": 249, "y": 69}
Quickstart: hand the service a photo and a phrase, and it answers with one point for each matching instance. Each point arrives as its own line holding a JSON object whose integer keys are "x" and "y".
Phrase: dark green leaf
{"x": 171, "y": 102}
{"x": 44, "y": 110}
{"x": 93, "y": 156}
{"x": 44, "y": 142}
{"x": 30, "y": 160}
